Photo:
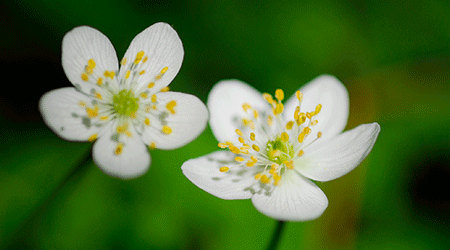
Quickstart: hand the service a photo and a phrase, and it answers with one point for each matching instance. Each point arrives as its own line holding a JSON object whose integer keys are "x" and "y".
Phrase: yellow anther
{"x": 300, "y": 153}
{"x": 289, "y": 164}
{"x": 318, "y": 108}
{"x": 252, "y": 136}
{"x": 319, "y": 134}
{"x": 84, "y": 77}
{"x": 103, "y": 118}
{"x": 309, "y": 115}
{"x": 234, "y": 149}
{"x": 301, "y": 119}
{"x": 164, "y": 70}
{"x": 284, "y": 137}
{"x": 165, "y": 89}
{"x": 122, "y": 128}
{"x": 301, "y": 137}
{"x": 124, "y": 61}
{"x": 239, "y": 159}
{"x": 139, "y": 56}
{"x": 98, "y": 95}
{"x": 270, "y": 120}
{"x": 127, "y": 75}
{"x": 152, "y": 145}
{"x": 151, "y": 85}
{"x": 299, "y": 95}
{"x": 265, "y": 179}
{"x": 118, "y": 149}
{"x": 306, "y": 130}
{"x": 279, "y": 109}
{"x": 154, "y": 98}
{"x": 248, "y": 123}
{"x": 224, "y": 169}
{"x": 258, "y": 176}
{"x": 239, "y": 132}
{"x": 279, "y": 94}
{"x": 246, "y": 107}
{"x": 91, "y": 64}
{"x": 166, "y": 129}
{"x": 250, "y": 164}
{"x": 82, "y": 103}
{"x": 289, "y": 125}
{"x": 144, "y": 59}
{"x": 100, "y": 81}
{"x": 109, "y": 74}
{"x": 268, "y": 97}
{"x": 296, "y": 112}
{"x": 147, "y": 121}
{"x": 241, "y": 140}
{"x": 92, "y": 138}
{"x": 142, "y": 72}
{"x": 171, "y": 106}
{"x": 133, "y": 115}
{"x": 255, "y": 147}
{"x": 91, "y": 113}
{"x": 222, "y": 145}
{"x": 255, "y": 114}
{"x": 143, "y": 95}
{"x": 314, "y": 122}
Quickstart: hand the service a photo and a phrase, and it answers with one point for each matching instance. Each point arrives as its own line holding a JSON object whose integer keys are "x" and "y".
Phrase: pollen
{"x": 127, "y": 75}
{"x": 300, "y": 153}
{"x": 224, "y": 169}
{"x": 166, "y": 130}
{"x": 91, "y": 64}
{"x": 171, "y": 106}
{"x": 124, "y": 61}
{"x": 142, "y": 72}
{"x": 151, "y": 85}
{"x": 265, "y": 179}
{"x": 222, "y": 145}
{"x": 91, "y": 113}
{"x": 143, "y": 95}
{"x": 139, "y": 57}
{"x": 98, "y": 95}
{"x": 92, "y": 138}
{"x": 165, "y": 89}
{"x": 100, "y": 81}
{"x": 119, "y": 149}
{"x": 279, "y": 94}
{"x": 109, "y": 74}
{"x": 84, "y": 77}
{"x": 284, "y": 137}
{"x": 239, "y": 159}
{"x": 246, "y": 107}
{"x": 255, "y": 147}
{"x": 289, "y": 125}
{"x": 147, "y": 121}
{"x": 154, "y": 98}
{"x": 299, "y": 95}
{"x": 239, "y": 132}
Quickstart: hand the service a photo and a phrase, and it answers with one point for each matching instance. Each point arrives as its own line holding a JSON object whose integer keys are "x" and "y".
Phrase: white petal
{"x": 79, "y": 46}
{"x": 334, "y": 158}
{"x": 225, "y": 106}
{"x": 68, "y": 119}
{"x": 295, "y": 199}
{"x": 162, "y": 48}
{"x": 186, "y": 124}
{"x": 332, "y": 94}
{"x": 133, "y": 161}
{"x": 204, "y": 172}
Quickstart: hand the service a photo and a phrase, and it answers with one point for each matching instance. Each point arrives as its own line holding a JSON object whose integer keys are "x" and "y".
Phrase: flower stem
{"x": 276, "y": 236}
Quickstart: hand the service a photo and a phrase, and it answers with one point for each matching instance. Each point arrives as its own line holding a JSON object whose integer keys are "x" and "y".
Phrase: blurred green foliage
{"x": 394, "y": 58}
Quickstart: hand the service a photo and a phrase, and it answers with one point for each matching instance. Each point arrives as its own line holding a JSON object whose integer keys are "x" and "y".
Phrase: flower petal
{"x": 155, "y": 56}
{"x": 124, "y": 156}
{"x": 65, "y": 111}
{"x": 181, "y": 118}
{"x": 86, "y": 55}
{"x": 332, "y": 94}
{"x": 295, "y": 199}
{"x": 328, "y": 160}
{"x": 204, "y": 172}
{"x": 225, "y": 106}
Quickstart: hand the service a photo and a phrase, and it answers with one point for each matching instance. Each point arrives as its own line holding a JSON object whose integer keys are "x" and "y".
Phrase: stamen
{"x": 139, "y": 56}
{"x": 255, "y": 147}
{"x": 147, "y": 121}
{"x": 300, "y": 153}
{"x": 299, "y": 95}
{"x": 170, "y": 106}
{"x": 239, "y": 159}
{"x": 119, "y": 149}
{"x": 279, "y": 94}
{"x": 239, "y": 132}
{"x": 284, "y": 137}
{"x": 92, "y": 138}
{"x": 166, "y": 130}
{"x": 222, "y": 145}
{"x": 224, "y": 169}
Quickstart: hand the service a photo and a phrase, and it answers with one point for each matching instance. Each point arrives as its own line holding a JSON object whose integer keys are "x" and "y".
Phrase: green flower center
{"x": 280, "y": 151}
{"x": 125, "y": 103}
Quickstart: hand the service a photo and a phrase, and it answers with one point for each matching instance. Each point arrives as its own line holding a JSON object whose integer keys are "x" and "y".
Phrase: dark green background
{"x": 394, "y": 58}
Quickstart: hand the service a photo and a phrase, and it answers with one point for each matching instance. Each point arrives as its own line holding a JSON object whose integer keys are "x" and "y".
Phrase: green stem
{"x": 276, "y": 236}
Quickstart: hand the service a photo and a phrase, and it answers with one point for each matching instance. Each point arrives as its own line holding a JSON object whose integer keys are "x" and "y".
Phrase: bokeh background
{"x": 394, "y": 58}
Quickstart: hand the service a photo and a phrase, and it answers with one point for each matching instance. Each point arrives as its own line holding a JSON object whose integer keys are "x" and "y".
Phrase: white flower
{"x": 274, "y": 149}
{"x": 123, "y": 110}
